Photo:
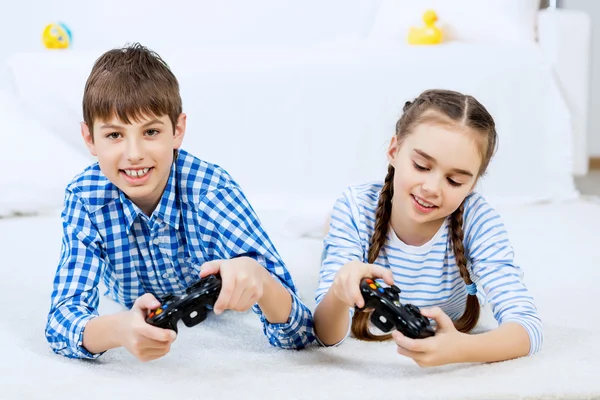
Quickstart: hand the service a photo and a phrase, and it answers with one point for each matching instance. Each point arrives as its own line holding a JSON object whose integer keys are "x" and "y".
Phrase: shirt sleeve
{"x": 74, "y": 299}
{"x": 342, "y": 244}
{"x": 492, "y": 260}
{"x": 241, "y": 234}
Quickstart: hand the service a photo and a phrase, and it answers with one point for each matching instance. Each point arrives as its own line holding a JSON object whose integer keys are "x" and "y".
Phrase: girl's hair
{"x": 450, "y": 108}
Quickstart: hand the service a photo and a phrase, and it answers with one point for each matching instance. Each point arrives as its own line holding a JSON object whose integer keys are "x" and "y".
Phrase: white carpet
{"x": 228, "y": 357}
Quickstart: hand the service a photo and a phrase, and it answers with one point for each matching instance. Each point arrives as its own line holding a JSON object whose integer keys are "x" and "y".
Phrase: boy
{"x": 150, "y": 220}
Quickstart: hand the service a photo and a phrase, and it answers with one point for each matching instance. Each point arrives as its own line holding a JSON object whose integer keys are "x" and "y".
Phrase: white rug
{"x": 228, "y": 357}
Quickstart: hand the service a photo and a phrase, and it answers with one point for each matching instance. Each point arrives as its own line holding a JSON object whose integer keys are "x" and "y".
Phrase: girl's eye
{"x": 151, "y": 132}
{"x": 113, "y": 135}
{"x": 453, "y": 182}
{"x": 419, "y": 167}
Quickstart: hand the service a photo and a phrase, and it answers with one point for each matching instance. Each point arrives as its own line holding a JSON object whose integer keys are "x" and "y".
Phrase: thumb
{"x": 210, "y": 268}
{"x": 378, "y": 271}
{"x": 146, "y": 302}
{"x": 442, "y": 320}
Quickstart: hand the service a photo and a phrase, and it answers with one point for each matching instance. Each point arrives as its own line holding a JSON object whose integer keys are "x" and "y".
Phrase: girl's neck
{"x": 412, "y": 233}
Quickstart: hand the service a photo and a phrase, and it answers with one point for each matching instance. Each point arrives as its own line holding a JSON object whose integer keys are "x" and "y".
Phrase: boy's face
{"x": 136, "y": 157}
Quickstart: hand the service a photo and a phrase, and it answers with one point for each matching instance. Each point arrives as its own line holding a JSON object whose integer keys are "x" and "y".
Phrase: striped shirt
{"x": 427, "y": 275}
{"x": 202, "y": 215}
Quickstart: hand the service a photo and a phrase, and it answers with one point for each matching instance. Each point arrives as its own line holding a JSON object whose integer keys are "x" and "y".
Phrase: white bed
{"x": 227, "y": 356}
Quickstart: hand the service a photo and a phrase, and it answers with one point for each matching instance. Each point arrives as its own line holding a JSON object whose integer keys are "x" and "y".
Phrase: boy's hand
{"x": 243, "y": 280}
{"x": 144, "y": 341}
{"x": 346, "y": 284}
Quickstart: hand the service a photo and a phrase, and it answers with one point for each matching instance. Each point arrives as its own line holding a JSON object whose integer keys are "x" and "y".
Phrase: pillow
{"x": 478, "y": 21}
{"x": 35, "y": 164}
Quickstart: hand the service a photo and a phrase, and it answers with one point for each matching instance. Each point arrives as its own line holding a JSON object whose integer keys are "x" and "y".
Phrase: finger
{"x": 247, "y": 299}
{"x": 210, "y": 268}
{"x": 411, "y": 354}
{"x": 378, "y": 271}
{"x": 154, "y": 345}
{"x": 234, "y": 300}
{"x": 158, "y": 334}
{"x": 442, "y": 319}
{"x": 224, "y": 298}
{"x": 413, "y": 345}
{"x": 146, "y": 302}
{"x": 154, "y": 354}
{"x": 356, "y": 295}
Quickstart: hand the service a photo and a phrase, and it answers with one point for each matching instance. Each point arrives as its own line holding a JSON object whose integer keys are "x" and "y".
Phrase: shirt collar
{"x": 167, "y": 208}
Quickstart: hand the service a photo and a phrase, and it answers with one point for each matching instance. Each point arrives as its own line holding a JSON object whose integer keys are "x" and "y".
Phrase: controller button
{"x": 165, "y": 306}
{"x": 369, "y": 281}
{"x": 373, "y": 286}
{"x": 159, "y": 311}
{"x": 151, "y": 314}
{"x": 380, "y": 290}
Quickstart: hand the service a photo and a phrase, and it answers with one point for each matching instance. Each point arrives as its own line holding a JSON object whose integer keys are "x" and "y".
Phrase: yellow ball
{"x": 56, "y": 36}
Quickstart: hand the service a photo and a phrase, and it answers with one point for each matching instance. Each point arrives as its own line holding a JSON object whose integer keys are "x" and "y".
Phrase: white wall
{"x": 164, "y": 25}
{"x": 593, "y": 8}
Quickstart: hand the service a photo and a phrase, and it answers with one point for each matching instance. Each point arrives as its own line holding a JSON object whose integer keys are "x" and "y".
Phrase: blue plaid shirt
{"x": 202, "y": 215}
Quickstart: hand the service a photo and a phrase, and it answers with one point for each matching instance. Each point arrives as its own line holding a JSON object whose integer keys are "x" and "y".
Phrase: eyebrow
{"x": 147, "y": 124}
{"x": 456, "y": 170}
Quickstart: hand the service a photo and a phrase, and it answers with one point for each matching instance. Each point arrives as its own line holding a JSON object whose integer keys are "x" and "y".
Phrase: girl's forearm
{"x": 331, "y": 319}
{"x": 508, "y": 341}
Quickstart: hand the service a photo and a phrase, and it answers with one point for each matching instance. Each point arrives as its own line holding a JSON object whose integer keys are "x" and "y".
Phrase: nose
{"x": 134, "y": 150}
{"x": 432, "y": 185}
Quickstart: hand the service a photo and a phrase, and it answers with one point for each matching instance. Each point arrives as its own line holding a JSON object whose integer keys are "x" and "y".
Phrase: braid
{"x": 382, "y": 216}
{"x": 469, "y": 318}
{"x": 360, "y": 320}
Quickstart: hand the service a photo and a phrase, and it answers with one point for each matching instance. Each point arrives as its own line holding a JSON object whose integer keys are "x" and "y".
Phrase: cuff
{"x": 293, "y": 322}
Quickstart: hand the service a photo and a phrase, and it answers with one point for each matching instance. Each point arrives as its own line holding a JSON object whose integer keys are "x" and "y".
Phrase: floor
{"x": 589, "y": 184}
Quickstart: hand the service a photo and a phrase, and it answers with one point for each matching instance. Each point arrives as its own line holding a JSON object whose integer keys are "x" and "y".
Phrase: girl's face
{"x": 436, "y": 167}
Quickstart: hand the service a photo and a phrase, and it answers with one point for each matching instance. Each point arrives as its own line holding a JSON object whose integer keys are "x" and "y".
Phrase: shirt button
{"x": 166, "y": 275}
{"x": 156, "y": 241}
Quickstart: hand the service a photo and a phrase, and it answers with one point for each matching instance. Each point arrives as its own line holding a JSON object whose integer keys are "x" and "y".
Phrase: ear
{"x": 179, "y": 131}
{"x": 88, "y": 138}
{"x": 393, "y": 150}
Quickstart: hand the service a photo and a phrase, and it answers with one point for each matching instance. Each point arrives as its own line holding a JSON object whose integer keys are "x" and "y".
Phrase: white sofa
{"x": 299, "y": 99}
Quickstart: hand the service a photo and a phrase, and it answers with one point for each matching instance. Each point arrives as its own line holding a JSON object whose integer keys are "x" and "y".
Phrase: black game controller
{"x": 388, "y": 313}
{"x": 192, "y": 307}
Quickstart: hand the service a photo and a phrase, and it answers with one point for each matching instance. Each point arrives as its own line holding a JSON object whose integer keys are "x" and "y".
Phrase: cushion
{"x": 36, "y": 165}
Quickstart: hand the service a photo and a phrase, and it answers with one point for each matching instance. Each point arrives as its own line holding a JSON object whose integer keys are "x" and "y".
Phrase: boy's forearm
{"x": 508, "y": 341}
{"x": 276, "y": 301}
{"x": 331, "y": 320}
{"x": 103, "y": 333}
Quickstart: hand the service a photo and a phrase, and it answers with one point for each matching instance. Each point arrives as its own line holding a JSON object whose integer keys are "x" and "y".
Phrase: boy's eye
{"x": 453, "y": 182}
{"x": 419, "y": 167}
{"x": 151, "y": 132}
{"x": 113, "y": 135}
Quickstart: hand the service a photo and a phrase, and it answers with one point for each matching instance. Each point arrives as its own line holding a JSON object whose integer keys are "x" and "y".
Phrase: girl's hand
{"x": 243, "y": 280}
{"x": 346, "y": 284}
{"x": 446, "y": 347}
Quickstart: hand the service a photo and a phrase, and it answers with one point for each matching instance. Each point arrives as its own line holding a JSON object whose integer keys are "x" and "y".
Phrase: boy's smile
{"x": 136, "y": 176}
{"x": 137, "y": 156}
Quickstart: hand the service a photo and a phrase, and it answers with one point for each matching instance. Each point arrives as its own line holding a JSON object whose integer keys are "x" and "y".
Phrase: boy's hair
{"x": 130, "y": 83}
{"x": 453, "y": 109}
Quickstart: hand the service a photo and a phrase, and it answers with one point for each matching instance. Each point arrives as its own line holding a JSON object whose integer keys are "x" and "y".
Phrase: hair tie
{"x": 472, "y": 289}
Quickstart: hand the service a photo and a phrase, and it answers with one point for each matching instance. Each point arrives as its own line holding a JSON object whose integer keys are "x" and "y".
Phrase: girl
{"x": 426, "y": 230}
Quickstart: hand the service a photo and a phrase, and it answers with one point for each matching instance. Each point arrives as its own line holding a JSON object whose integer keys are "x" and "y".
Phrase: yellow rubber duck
{"x": 429, "y": 34}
